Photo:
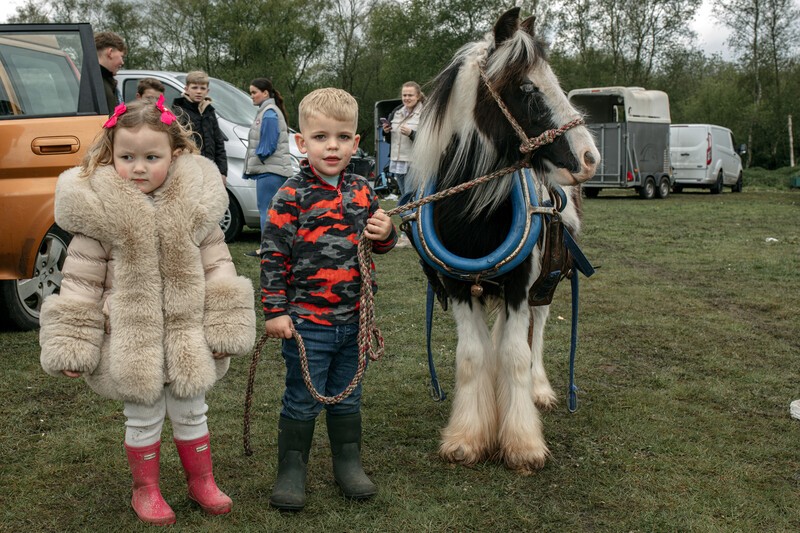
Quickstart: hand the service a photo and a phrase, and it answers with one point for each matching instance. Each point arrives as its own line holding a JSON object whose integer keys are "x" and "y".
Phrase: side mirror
{"x": 742, "y": 149}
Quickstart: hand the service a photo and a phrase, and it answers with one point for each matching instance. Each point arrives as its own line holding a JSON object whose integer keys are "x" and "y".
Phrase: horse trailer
{"x": 631, "y": 129}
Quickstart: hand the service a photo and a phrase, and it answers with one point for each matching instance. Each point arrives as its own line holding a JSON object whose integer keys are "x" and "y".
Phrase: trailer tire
{"x": 648, "y": 190}
{"x": 591, "y": 192}
{"x": 663, "y": 187}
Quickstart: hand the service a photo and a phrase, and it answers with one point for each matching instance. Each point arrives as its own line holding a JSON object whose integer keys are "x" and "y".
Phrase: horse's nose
{"x": 589, "y": 159}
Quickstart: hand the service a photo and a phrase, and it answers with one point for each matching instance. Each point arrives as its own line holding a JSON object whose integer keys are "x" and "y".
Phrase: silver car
{"x": 235, "y": 113}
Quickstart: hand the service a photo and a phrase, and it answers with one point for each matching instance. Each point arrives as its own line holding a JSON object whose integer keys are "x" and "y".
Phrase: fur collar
{"x": 110, "y": 209}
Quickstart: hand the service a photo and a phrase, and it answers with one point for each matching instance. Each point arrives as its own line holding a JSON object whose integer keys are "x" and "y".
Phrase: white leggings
{"x": 144, "y": 422}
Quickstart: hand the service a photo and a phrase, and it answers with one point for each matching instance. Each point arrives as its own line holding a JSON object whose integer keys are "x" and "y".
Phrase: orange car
{"x": 52, "y": 106}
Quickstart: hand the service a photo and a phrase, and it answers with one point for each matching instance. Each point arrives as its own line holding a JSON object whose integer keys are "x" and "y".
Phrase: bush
{"x": 761, "y": 178}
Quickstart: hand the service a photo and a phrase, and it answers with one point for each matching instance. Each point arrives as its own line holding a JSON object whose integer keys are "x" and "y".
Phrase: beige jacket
{"x": 149, "y": 288}
{"x": 401, "y": 145}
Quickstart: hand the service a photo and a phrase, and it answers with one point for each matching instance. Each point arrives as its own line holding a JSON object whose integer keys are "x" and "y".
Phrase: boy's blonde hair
{"x": 198, "y": 77}
{"x": 139, "y": 113}
{"x": 329, "y": 102}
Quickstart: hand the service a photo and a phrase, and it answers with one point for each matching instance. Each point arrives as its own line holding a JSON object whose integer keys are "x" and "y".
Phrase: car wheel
{"x": 232, "y": 221}
{"x": 717, "y": 187}
{"x": 591, "y": 192}
{"x": 737, "y": 187}
{"x": 22, "y": 299}
{"x": 648, "y": 190}
{"x": 663, "y": 187}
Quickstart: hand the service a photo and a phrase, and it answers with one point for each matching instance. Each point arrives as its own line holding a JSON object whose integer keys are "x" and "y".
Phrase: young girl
{"x": 150, "y": 307}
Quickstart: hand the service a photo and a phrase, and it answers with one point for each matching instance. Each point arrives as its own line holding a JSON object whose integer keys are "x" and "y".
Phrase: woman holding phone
{"x": 399, "y": 130}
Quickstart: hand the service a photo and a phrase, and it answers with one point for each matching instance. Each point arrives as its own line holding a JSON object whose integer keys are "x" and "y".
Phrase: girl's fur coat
{"x": 149, "y": 289}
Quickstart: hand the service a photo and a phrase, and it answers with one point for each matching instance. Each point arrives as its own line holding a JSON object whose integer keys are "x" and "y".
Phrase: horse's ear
{"x": 527, "y": 25}
{"x": 506, "y": 25}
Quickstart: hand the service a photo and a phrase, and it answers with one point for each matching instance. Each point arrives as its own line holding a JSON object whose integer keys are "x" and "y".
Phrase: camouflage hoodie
{"x": 309, "y": 265}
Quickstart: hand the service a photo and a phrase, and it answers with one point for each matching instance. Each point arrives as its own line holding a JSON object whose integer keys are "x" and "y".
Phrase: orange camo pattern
{"x": 310, "y": 266}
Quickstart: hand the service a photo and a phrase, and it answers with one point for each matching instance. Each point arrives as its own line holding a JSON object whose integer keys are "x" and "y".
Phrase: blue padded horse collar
{"x": 526, "y": 225}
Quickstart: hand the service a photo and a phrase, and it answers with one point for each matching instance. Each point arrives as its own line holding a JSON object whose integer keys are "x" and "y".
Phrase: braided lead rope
{"x": 528, "y": 144}
{"x": 248, "y": 397}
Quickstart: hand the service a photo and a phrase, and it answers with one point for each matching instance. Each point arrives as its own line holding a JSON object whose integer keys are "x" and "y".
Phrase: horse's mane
{"x": 449, "y": 146}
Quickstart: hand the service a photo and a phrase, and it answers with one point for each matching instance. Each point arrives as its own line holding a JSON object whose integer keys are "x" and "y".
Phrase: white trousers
{"x": 144, "y": 422}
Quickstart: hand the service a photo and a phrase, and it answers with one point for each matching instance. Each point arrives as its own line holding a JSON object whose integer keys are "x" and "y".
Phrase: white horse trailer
{"x": 631, "y": 129}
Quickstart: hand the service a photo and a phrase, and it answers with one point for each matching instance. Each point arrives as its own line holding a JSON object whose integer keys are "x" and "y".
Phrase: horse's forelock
{"x": 516, "y": 56}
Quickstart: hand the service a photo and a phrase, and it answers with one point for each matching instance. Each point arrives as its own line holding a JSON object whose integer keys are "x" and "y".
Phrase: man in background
{"x": 111, "y": 52}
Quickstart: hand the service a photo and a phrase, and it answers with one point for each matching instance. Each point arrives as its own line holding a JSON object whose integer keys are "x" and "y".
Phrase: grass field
{"x": 687, "y": 362}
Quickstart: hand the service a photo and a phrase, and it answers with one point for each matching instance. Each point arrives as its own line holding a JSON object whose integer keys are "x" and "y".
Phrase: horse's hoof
{"x": 460, "y": 455}
{"x": 545, "y": 402}
{"x": 525, "y": 462}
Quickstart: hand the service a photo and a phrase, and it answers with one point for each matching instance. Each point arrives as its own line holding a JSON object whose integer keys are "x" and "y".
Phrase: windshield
{"x": 681, "y": 136}
{"x": 231, "y": 103}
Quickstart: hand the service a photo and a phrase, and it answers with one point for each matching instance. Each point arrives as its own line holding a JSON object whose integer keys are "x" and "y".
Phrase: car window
{"x": 43, "y": 74}
{"x": 686, "y": 137}
{"x": 231, "y": 103}
{"x": 129, "y": 90}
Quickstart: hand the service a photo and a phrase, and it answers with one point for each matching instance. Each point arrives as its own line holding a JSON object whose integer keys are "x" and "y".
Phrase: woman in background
{"x": 268, "y": 160}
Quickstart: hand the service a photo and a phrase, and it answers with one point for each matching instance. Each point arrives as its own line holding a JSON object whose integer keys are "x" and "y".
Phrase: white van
{"x": 705, "y": 156}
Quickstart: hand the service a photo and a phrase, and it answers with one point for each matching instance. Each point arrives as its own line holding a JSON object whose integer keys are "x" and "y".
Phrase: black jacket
{"x": 205, "y": 130}
{"x": 110, "y": 88}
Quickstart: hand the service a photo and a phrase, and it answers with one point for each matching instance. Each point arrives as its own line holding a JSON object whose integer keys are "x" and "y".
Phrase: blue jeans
{"x": 266, "y": 187}
{"x": 401, "y": 183}
{"x": 332, "y": 353}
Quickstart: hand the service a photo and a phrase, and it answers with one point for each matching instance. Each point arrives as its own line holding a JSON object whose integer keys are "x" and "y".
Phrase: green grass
{"x": 686, "y": 365}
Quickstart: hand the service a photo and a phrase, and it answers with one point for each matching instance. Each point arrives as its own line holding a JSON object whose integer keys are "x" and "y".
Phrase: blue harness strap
{"x": 436, "y": 390}
{"x": 572, "y": 395}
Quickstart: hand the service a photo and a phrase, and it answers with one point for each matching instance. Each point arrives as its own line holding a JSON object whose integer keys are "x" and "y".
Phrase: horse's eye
{"x": 528, "y": 88}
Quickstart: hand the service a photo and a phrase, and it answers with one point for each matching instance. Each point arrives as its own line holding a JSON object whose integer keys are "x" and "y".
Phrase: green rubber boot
{"x": 294, "y": 443}
{"x": 344, "y": 432}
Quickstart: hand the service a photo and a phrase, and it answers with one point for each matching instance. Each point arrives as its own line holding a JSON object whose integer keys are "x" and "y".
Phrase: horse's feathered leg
{"x": 470, "y": 435}
{"x": 521, "y": 444}
{"x": 541, "y": 391}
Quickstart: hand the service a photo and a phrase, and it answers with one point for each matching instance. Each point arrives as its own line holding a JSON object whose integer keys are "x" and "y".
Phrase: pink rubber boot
{"x": 147, "y": 501}
{"x": 196, "y": 459}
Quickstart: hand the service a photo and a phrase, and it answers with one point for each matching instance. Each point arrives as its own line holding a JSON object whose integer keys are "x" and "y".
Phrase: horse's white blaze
{"x": 580, "y": 139}
{"x": 471, "y": 432}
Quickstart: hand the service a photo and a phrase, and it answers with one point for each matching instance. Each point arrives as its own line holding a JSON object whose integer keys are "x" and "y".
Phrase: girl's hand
{"x": 71, "y": 374}
{"x": 379, "y": 226}
{"x": 405, "y": 130}
{"x": 279, "y": 327}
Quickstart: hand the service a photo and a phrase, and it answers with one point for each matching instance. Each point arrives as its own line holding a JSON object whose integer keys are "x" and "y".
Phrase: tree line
{"x": 370, "y": 47}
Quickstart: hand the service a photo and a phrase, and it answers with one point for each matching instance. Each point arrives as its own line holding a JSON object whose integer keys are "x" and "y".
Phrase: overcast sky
{"x": 711, "y": 38}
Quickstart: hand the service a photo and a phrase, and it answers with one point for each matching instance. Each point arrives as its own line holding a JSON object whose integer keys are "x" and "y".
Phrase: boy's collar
{"x": 305, "y": 165}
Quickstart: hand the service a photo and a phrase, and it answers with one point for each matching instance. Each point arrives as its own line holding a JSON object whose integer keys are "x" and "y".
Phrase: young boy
{"x": 149, "y": 88}
{"x": 195, "y": 111}
{"x": 310, "y": 282}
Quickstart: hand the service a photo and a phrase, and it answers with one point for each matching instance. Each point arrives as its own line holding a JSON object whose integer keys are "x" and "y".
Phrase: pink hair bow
{"x": 167, "y": 116}
{"x": 118, "y": 112}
